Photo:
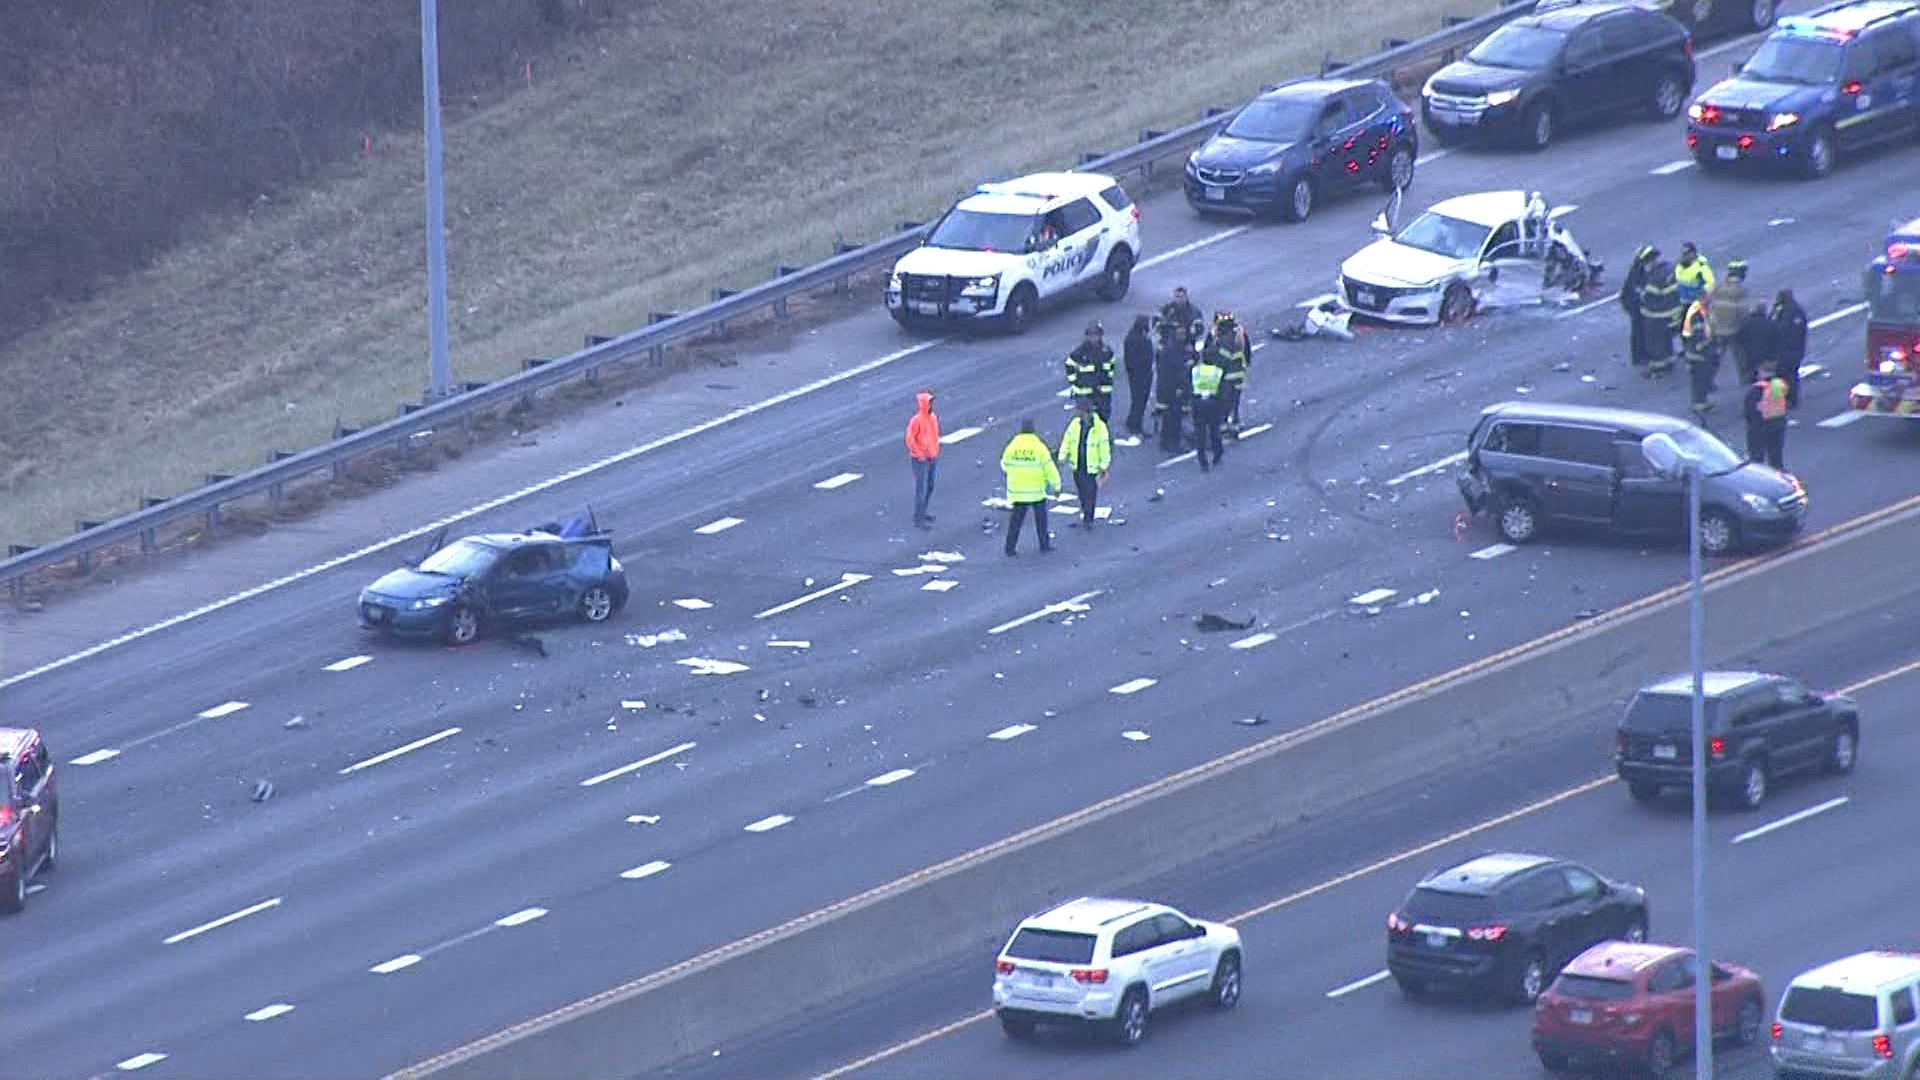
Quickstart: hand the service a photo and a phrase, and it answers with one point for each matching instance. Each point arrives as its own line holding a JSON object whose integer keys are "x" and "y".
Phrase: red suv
{"x": 1621, "y": 1002}
{"x": 29, "y": 814}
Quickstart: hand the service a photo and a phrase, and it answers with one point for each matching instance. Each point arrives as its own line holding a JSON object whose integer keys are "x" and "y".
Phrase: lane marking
{"x": 1494, "y": 551}
{"x": 1846, "y": 312}
{"x": 1135, "y": 736}
{"x": 1254, "y": 641}
{"x": 847, "y": 581}
{"x": 348, "y": 664}
{"x": 768, "y": 824}
{"x": 219, "y": 711}
{"x": 702, "y": 665}
{"x": 1886, "y": 676}
{"x": 959, "y": 436}
{"x": 1586, "y": 307}
{"x": 1431, "y": 156}
{"x": 692, "y": 603}
{"x": 1790, "y": 819}
{"x": 636, "y": 766}
{"x": 95, "y": 758}
{"x": 1431, "y": 467}
{"x": 1133, "y": 686}
{"x": 719, "y": 526}
{"x": 1669, "y": 169}
{"x": 521, "y": 917}
{"x": 1072, "y": 603}
{"x": 939, "y": 585}
{"x": 416, "y": 744}
{"x": 887, "y": 778}
{"x": 398, "y": 963}
{"x": 1840, "y": 420}
{"x": 646, "y": 870}
{"x": 1013, "y": 731}
{"x": 1808, "y": 371}
{"x": 1188, "y": 456}
{"x": 1360, "y": 984}
{"x": 184, "y": 935}
{"x": 1373, "y": 596}
{"x": 1193, "y": 246}
{"x": 140, "y": 1061}
{"x": 270, "y": 1012}
{"x": 1252, "y": 431}
{"x": 789, "y": 644}
{"x": 839, "y": 481}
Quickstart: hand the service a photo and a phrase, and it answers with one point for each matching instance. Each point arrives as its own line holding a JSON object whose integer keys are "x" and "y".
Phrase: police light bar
{"x": 1806, "y": 28}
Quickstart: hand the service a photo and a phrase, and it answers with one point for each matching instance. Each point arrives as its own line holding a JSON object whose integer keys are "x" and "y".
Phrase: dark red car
{"x": 1625, "y": 1003}
{"x": 29, "y": 814}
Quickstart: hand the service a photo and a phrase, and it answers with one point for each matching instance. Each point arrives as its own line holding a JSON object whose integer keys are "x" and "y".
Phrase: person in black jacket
{"x": 1789, "y": 341}
{"x": 1753, "y": 343}
{"x": 1138, "y": 349}
{"x": 1630, "y": 289}
{"x": 1172, "y": 375}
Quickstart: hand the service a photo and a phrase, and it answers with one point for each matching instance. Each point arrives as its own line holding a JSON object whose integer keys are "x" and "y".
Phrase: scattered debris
{"x": 1158, "y": 494}
{"x": 789, "y": 644}
{"x": 1251, "y": 721}
{"x": 939, "y": 585}
{"x": 648, "y": 641}
{"x": 809, "y": 701}
{"x": 530, "y": 643}
{"x": 1135, "y": 736}
{"x": 1209, "y": 623}
{"x": 633, "y": 703}
{"x": 942, "y": 557}
{"x": 1427, "y": 597}
{"x": 262, "y": 790}
{"x": 1587, "y": 613}
{"x": 704, "y": 666}
{"x": 295, "y": 724}
{"x": 643, "y": 819}
{"x": 1564, "y": 365}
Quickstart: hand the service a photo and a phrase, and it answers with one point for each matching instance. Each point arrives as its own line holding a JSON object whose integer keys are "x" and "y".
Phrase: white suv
{"x": 1856, "y": 1018}
{"x": 1111, "y": 962}
{"x": 1009, "y": 247}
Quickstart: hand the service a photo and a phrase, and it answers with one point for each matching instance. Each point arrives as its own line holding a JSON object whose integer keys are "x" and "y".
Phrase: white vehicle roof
{"x": 1091, "y": 914}
{"x": 1864, "y": 973}
{"x": 1490, "y": 208}
{"x": 1712, "y": 683}
{"x": 1035, "y": 194}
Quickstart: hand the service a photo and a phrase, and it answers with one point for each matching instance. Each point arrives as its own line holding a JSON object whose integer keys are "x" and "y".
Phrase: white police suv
{"x": 1014, "y": 245}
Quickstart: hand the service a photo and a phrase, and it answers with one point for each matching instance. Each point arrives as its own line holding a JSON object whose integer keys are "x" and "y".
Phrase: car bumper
{"x": 1093, "y": 1007}
{"x": 1884, "y": 396}
{"x": 1588, "y": 1050}
{"x": 406, "y": 622}
{"x": 1720, "y": 776}
{"x": 1800, "y": 1065}
{"x": 1773, "y": 528}
{"x": 1477, "y": 973}
{"x": 1730, "y": 146}
{"x": 1491, "y": 122}
{"x": 966, "y": 309}
{"x": 1250, "y": 195}
{"x": 1406, "y": 305}
{"x": 1473, "y": 491}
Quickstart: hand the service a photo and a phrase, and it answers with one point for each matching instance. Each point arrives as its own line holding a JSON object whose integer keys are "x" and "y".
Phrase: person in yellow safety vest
{"x": 1726, "y": 309}
{"x": 1696, "y": 345}
{"x": 1031, "y": 477}
{"x": 1767, "y": 418}
{"x": 1659, "y": 316}
{"x": 1086, "y": 449}
{"x": 1090, "y": 369}
{"x": 1207, "y": 411}
{"x": 1234, "y": 353}
{"x": 1693, "y": 274}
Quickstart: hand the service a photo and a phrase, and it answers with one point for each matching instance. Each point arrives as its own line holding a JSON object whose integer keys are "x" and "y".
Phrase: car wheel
{"x": 1553, "y": 1060}
{"x": 1819, "y": 154}
{"x": 1718, "y": 534}
{"x": 1118, "y": 277}
{"x": 1411, "y": 989}
{"x": 1642, "y": 791}
{"x": 1399, "y": 172}
{"x": 1669, "y": 97}
{"x": 1746, "y": 1026}
{"x": 52, "y": 857}
{"x": 1761, "y": 13}
{"x": 1226, "y": 983}
{"x": 1637, "y": 930}
{"x": 1532, "y": 980}
{"x": 15, "y": 898}
{"x": 1299, "y": 205}
{"x": 1844, "y": 752}
{"x": 1753, "y": 785}
{"x": 1130, "y": 1023}
{"x": 1660, "y": 1055}
{"x": 1016, "y": 1027}
{"x": 1456, "y": 304}
{"x": 596, "y": 604}
{"x": 463, "y": 625}
{"x": 1519, "y": 523}
{"x": 1536, "y": 127}
{"x": 1019, "y": 312}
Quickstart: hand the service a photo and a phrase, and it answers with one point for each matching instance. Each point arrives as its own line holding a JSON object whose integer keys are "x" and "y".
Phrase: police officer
{"x": 1767, "y": 418}
{"x": 1208, "y": 411}
{"x": 1137, "y": 351}
{"x": 1233, "y": 352}
{"x": 1697, "y": 346}
{"x": 1171, "y": 378}
{"x": 1090, "y": 370}
{"x": 1660, "y": 314}
{"x": 1631, "y": 290}
{"x": 1726, "y": 311}
{"x": 1789, "y": 342}
{"x": 1693, "y": 274}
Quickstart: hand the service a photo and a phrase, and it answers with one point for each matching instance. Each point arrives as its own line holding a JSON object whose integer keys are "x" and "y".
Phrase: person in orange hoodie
{"x": 923, "y": 447}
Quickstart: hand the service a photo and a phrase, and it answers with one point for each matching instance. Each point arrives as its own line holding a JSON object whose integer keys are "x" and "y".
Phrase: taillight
{"x": 1396, "y": 924}
{"x": 1882, "y": 1046}
{"x": 1776, "y": 1031}
{"x": 6, "y": 815}
{"x": 1717, "y": 747}
{"x": 1619, "y": 744}
{"x": 1089, "y": 975}
{"x": 1004, "y": 967}
{"x": 1136, "y": 215}
{"x": 1486, "y": 933}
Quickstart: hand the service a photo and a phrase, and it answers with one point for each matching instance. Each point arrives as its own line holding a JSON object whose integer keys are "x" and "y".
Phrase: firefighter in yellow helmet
{"x": 1701, "y": 353}
{"x": 1229, "y": 347}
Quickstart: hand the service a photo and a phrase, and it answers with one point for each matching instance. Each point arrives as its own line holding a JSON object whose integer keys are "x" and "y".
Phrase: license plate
{"x": 1035, "y": 978}
{"x": 1216, "y": 194}
{"x": 1581, "y": 1016}
{"x": 1456, "y": 119}
{"x": 1726, "y": 153}
{"x": 927, "y": 307}
{"x": 1833, "y": 1046}
{"x": 377, "y": 614}
{"x": 1666, "y": 752}
{"x": 1436, "y": 941}
{"x": 1367, "y": 297}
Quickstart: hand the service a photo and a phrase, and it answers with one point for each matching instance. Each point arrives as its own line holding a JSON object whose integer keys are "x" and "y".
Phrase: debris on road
{"x": 1209, "y": 623}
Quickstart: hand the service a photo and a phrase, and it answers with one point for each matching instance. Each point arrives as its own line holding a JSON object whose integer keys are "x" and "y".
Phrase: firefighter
{"x": 1170, "y": 378}
{"x": 1767, "y": 418}
{"x": 1138, "y": 352}
{"x": 1090, "y": 370}
{"x": 1693, "y": 274}
{"x": 1630, "y": 293}
{"x": 1229, "y": 347}
{"x": 1726, "y": 311}
{"x": 1702, "y": 355}
{"x": 1209, "y": 409}
{"x": 1180, "y": 311}
{"x": 1660, "y": 313}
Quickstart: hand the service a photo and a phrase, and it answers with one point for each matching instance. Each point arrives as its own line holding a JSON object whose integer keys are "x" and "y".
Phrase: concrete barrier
{"x": 969, "y": 903}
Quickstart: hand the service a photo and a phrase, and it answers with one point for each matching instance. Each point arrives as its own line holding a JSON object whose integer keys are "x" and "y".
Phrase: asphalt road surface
{"x": 459, "y": 840}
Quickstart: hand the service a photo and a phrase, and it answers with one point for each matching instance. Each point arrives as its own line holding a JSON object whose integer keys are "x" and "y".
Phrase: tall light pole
{"x": 439, "y": 368}
{"x": 1667, "y": 456}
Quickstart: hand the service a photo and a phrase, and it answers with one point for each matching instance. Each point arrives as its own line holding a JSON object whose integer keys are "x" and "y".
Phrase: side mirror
{"x": 1195, "y": 930}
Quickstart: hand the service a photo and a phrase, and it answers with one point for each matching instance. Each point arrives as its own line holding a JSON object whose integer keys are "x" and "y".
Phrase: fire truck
{"x": 1892, "y": 284}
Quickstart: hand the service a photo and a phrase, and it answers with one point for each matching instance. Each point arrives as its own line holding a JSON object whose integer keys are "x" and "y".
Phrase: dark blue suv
{"x": 1840, "y": 78}
{"x": 1292, "y": 145}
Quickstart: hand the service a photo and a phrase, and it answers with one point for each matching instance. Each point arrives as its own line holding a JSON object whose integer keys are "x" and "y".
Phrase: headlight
{"x": 989, "y": 283}
{"x": 893, "y": 282}
{"x": 615, "y": 564}
{"x": 1695, "y": 112}
{"x": 1759, "y": 504}
{"x": 1781, "y": 120}
{"x": 429, "y": 602}
{"x": 1502, "y": 97}
{"x": 1889, "y": 366}
{"x": 1265, "y": 168}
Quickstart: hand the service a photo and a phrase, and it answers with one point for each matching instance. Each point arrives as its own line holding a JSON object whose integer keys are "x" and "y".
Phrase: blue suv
{"x": 1840, "y": 78}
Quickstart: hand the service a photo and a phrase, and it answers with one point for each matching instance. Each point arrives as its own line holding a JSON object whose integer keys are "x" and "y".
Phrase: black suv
{"x": 1505, "y": 924}
{"x": 1536, "y": 465}
{"x": 1569, "y": 61}
{"x": 1758, "y": 727}
{"x": 29, "y": 814}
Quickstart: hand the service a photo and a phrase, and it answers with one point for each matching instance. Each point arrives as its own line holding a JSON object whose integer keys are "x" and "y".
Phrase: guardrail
{"x": 417, "y": 422}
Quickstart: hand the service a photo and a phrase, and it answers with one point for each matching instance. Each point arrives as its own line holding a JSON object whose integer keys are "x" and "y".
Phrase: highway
{"x": 460, "y": 840}
{"x": 1785, "y": 895}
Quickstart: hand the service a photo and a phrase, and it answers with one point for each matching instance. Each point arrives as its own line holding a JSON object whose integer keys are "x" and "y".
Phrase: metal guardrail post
{"x": 213, "y": 512}
{"x": 719, "y": 294}
{"x": 594, "y": 341}
{"x": 780, "y": 305}
{"x": 277, "y": 494}
{"x": 150, "y": 537}
{"x": 84, "y": 563}
{"x": 529, "y": 364}
{"x": 658, "y": 354}
{"x": 19, "y": 586}
{"x": 342, "y": 431}
{"x": 843, "y": 285}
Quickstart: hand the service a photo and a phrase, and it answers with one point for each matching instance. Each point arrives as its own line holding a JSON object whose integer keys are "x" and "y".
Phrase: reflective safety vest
{"x": 1232, "y": 359}
{"x": 1773, "y": 398}
{"x": 1029, "y": 468}
{"x": 1697, "y": 322}
{"x": 1090, "y": 369}
{"x": 1099, "y": 446}
{"x": 1660, "y": 300}
{"x": 1694, "y": 279}
{"x": 1206, "y": 379}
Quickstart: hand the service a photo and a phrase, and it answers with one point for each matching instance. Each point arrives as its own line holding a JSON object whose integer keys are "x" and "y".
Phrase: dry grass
{"x": 693, "y": 143}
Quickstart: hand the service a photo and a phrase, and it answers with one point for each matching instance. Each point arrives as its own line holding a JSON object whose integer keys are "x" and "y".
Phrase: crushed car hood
{"x": 1385, "y": 262}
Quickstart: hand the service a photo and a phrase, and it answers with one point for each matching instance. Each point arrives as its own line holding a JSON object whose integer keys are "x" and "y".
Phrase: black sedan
{"x": 1720, "y": 18}
{"x": 461, "y": 590}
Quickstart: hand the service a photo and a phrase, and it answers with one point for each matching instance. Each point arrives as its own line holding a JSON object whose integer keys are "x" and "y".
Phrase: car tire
{"x": 1398, "y": 175}
{"x": 596, "y": 605}
{"x": 1820, "y": 155}
{"x": 1225, "y": 991}
{"x": 1017, "y": 1028}
{"x": 1518, "y": 519}
{"x": 1643, "y": 792}
{"x": 1746, "y": 1025}
{"x": 1537, "y": 126}
{"x": 1117, "y": 278}
{"x": 1660, "y": 1055}
{"x": 1442, "y": 136}
{"x": 1531, "y": 980}
{"x": 1300, "y": 198}
{"x": 1410, "y": 988}
{"x": 1719, "y": 534}
{"x": 1636, "y": 931}
{"x": 1130, "y": 1020}
{"x": 1761, "y": 13}
{"x": 1456, "y": 304}
{"x": 51, "y": 858}
{"x": 1019, "y": 312}
{"x": 463, "y": 626}
{"x": 15, "y": 898}
{"x": 1669, "y": 96}
{"x": 1844, "y": 752}
{"x": 1754, "y": 782}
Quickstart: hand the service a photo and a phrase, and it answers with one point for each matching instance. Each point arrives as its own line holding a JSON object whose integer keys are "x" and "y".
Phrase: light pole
{"x": 1667, "y": 456}
{"x": 439, "y": 369}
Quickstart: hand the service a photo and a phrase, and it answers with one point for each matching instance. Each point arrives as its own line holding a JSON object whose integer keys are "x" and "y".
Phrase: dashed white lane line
{"x": 692, "y": 603}
{"x": 1373, "y": 596}
{"x": 1360, "y": 984}
{"x": 1192, "y": 246}
{"x": 1672, "y": 167}
{"x": 1791, "y": 819}
{"x": 521, "y": 917}
{"x": 839, "y": 481}
{"x": 185, "y": 935}
{"x": 719, "y": 526}
{"x": 1254, "y": 641}
{"x": 1135, "y": 736}
{"x": 1012, "y": 731}
{"x": 218, "y": 711}
{"x": 1588, "y": 306}
{"x": 768, "y": 824}
{"x": 1430, "y": 157}
{"x": 1188, "y": 456}
{"x": 636, "y": 766}
{"x": 1133, "y": 686}
{"x": 1840, "y": 420}
{"x": 961, "y": 435}
{"x": 140, "y": 1061}
{"x": 647, "y": 870}
{"x": 95, "y": 758}
{"x": 1072, "y": 603}
{"x": 1493, "y": 551}
{"x": 1428, "y": 469}
{"x": 939, "y": 586}
{"x": 887, "y": 778}
{"x": 348, "y": 664}
{"x": 416, "y": 744}
{"x": 1833, "y": 317}
{"x": 847, "y": 581}
{"x": 269, "y": 1012}
{"x": 1252, "y": 431}
{"x": 398, "y": 963}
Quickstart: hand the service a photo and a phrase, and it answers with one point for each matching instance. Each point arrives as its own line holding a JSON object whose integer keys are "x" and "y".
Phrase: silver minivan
{"x": 1857, "y": 1018}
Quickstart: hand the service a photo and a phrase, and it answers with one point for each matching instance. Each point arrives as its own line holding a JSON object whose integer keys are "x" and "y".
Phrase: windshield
{"x": 1893, "y": 298}
{"x": 1592, "y": 988}
{"x": 1528, "y": 48}
{"x": 1835, "y": 1010}
{"x": 1795, "y": 60}
{"x": 461, "y": 559}
{"x": 1051, "y": 946}
{"x": 1275, "y": 120}
{"x": 972, "y": 230}
{"x": 1435, "y": 907}
{"x": 1443, "y": 235}
{"x": 1715, "y": 457}
{"x": 1665, "y": 714}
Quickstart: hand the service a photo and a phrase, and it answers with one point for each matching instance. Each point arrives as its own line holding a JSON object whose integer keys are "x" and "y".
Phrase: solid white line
{"x": 95, "y": 757}
{"x": 847, "y": 581}
{"x": 1431, "y": 467}
{"x": 839, "y": 481}
{"x": 1670, "y": 168}
{"x": 521, "y": 917}
{"x": 1255, "y": 430}
{"x": 1808, "y": 371}
{"x": 398, "y": 963}
{"x": 893, "y": 777}
{"x": 398, "y": 750}
{"x": 719, "y": 526}
{"x": 1255, "y": 641}
{"x": 219, "y": 711}
{"x": 789, "y": 644}
{"x": 768, "y": 824}
{"x": 638, "y": 765}
{"x": 692, "y": 603}
{"x": 939, "y": 585}
{"x": 1840, "y": 420}
{"x": 1133, "y": 686}
{"x": 223, "y": 920}
{"x": 1586, "y": 307}
{"x": 268, "y": 1013}
{"x": 348, "y": 664}
{"x": 1493, "y": 552}
{"x": 1360, "y": 984}
{"x": 1834, "y": 317}
{"x": 1013, "y": 731}
{"x": 961, "y": 435}
{"x": 1069, "y": 604}
{"x": 140, "y": 1061}
{"x": 1373, "y": 596}
{"x": 1431, "y": 156}
{"x": 1790, "y": 819}
{"x": 1188, "y": 456}
{"x": 646, "y": 871}
{"x": 1184, "y": 249}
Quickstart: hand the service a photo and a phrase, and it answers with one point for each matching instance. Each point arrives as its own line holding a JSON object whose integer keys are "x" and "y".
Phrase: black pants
{"x": 1207, "y": 413}
{"x": 1103, "y": 404}
{"x": 1756, "y": 439}
{"x": 1700, "y": 380}
{"x": 1141, "y": 390}
{"x": 1169, "y": 418}
{"x": 1019, "y": 517}
{"x": 1230, "y": 406}
{"x": 1637, "y": 341}
{"x": 1087, "y": 486}
{"x": 1773, "y": 438}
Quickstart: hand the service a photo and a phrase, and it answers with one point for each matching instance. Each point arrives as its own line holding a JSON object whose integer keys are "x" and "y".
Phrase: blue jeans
{"x": 922, "y": 487}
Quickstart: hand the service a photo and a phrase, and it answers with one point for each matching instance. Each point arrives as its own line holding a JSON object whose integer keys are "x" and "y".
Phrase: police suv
{"x": 1013, "y": 245}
